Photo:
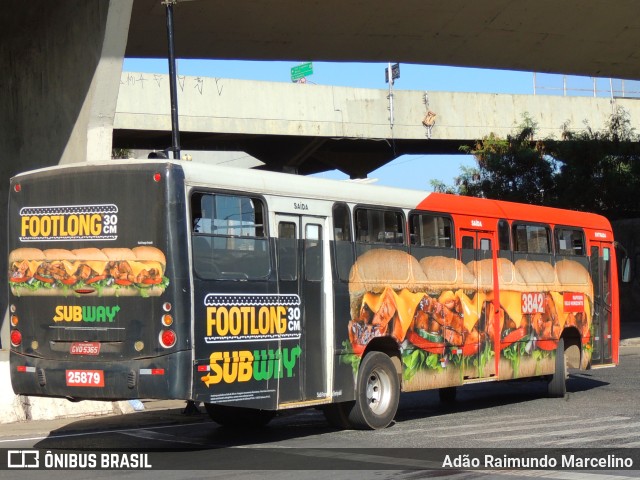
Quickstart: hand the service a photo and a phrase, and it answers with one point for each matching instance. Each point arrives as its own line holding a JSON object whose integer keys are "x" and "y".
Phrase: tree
{"x": 515, "y": 169}
{"x": 599, "y": 170}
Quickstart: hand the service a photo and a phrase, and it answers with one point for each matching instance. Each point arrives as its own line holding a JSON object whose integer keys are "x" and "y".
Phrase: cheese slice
{"x": 471, "y": 309}
{"x": 97, "y": 266}
{"x": 406, "y": 304}
{"x": 511, "y": 302}
{"x": 137, "y": 267}
{"x": 34, "y": 265}
{"x": 70, "y": 267}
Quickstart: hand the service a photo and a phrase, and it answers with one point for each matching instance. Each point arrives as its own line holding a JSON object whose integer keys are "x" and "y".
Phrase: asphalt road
{"x": 600, "y": 411}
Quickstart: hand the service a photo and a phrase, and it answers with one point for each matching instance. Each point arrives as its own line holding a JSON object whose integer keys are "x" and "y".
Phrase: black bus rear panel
{"x": 98, "y": 283}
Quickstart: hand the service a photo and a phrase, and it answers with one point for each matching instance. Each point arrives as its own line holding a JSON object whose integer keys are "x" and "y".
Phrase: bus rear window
{"x": 229, "y": 237}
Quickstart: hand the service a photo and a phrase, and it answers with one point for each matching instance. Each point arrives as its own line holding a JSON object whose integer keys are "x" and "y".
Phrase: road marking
{"x": 499, "y": 424}
{"x": 598, "y": 438}
{"x": 470, "y": 430}
{"x": 165, "y": 437}
{"x": 567, "y": 432}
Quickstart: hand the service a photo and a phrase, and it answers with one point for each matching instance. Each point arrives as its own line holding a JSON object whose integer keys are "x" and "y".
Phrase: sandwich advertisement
{"x": 444, "y": 315}
{"x": 138, "y": 271}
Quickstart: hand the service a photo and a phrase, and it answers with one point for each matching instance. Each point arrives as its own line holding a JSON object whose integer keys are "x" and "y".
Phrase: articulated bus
{"x": 254, "y": 291}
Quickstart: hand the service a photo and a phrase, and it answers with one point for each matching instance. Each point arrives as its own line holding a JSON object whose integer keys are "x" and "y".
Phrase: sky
{"x": 407, "y": 171}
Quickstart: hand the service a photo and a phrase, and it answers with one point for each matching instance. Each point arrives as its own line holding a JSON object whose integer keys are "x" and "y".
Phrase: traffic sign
{"x": 395, "y": 73}
{"x": 301, "y": 71}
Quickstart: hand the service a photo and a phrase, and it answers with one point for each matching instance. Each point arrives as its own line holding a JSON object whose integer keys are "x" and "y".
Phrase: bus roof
{"x": 298, "y": 186}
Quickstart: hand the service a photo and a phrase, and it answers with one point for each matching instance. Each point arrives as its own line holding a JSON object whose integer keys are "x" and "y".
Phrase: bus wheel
{"x": 447, "y": 395}
{"x": 238, "y": 417}
{"x": 557, "y": 387}
{"x": 377, "y": 392}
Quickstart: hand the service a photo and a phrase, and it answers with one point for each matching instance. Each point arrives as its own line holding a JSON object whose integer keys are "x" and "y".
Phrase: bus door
{"x": 479, "y": 351}
{"x": 301, "y": 261}
{"x": 601, "y": 328}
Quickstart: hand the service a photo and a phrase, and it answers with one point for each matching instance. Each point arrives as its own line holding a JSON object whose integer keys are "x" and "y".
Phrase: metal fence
{"x": 574, "y": 86}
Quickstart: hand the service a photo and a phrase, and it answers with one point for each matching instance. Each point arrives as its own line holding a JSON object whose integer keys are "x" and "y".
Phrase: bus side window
{"x": 569, "y": 241}
{"x": 229, "y": 239}
{"x": 378, "y": 228}
{"x": 430, "y": 235}
{"x": 313, "y": 252}
{"x": 287, "y": 251}
{"x": 504, "y": 239}
{"x": 467, "y": 251}
{"x": 531, "y": 238}
{"x": 342, "y": 241}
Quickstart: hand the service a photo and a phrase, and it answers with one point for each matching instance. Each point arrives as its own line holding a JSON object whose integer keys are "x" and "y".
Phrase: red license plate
{"x": 85, "y": 348}
{"x": 85, "y": 378}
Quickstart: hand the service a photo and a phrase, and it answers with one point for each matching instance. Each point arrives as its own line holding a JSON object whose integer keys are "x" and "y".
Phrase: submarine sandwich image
{"x": 423, "y": 303}
{"x": 87, "y": 271}
{"x": 537, "y": 301}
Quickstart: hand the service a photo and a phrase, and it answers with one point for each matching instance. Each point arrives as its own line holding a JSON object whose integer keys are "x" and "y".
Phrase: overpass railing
{"x": 572, "y": 85}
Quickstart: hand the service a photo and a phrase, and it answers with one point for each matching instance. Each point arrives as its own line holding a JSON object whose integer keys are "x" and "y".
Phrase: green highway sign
{"x": 301, "y": 71}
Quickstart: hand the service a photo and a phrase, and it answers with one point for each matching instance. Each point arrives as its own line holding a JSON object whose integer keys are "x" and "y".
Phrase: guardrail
{"x": 572, "y": 85}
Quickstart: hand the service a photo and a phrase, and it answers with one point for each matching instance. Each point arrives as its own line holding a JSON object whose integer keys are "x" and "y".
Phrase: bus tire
{"x": 238, "y": 417}
{"x": 447, "y": 395}
{"x": 557, "y": 387}
{"x": 377, "y": 393}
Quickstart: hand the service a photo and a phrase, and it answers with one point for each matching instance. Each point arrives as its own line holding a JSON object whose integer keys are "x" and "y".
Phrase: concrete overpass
{"x": 310, "y": 128}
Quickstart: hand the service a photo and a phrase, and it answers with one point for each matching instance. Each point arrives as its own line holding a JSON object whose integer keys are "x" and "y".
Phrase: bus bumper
{"x": 165, "y": 377}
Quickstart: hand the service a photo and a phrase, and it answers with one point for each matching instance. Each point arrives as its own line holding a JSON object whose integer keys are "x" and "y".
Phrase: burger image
{"x": 442, "y": 314}
{"x": 87, "y": 271}
{"x": 424, "y": 306}
{"x": 532, "y": 314}
{"x": 384, "y": 290}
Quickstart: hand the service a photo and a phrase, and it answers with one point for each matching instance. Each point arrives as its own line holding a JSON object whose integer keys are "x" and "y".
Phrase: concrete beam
{"x": 248, "y": 109}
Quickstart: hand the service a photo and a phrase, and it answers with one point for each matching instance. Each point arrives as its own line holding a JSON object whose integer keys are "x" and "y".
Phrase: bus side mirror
{"x": 626, "y": 269}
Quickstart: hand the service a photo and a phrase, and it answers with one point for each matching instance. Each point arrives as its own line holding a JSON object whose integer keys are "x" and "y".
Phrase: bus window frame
{"x": 223, "y": 276}
{"x": 452, "y": 233}
{"x": 382, "y": 244}
{"x": 556, "y": 241}
{"x": 340, "y": 273}
{"x": 514, "y": 243}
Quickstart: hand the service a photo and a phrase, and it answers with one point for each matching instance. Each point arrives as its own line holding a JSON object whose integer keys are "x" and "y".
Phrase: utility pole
{"x": 391, "y": 73}
{"x": 173, "y": 89}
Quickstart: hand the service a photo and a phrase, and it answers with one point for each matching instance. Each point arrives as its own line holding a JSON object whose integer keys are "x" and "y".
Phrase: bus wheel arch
{"x": 377, "y": 389}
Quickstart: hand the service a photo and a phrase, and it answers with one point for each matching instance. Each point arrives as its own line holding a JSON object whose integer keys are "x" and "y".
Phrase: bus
{"x": 253, "y": 291}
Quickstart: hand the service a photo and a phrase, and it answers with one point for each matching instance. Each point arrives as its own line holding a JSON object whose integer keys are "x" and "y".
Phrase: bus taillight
{"x": 16, "y": 338}
{"x": 168, "y": 338}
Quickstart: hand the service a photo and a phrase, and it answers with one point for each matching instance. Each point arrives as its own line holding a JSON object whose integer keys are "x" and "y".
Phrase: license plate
{"x": 85, "y": 348}
{"x": 85, "y": 378}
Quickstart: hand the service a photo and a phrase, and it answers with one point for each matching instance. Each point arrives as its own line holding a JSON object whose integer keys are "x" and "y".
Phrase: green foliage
{"x": 589, "y": 170}
{"x": 600, "y": 171}
{"x": 515, "y": 168}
